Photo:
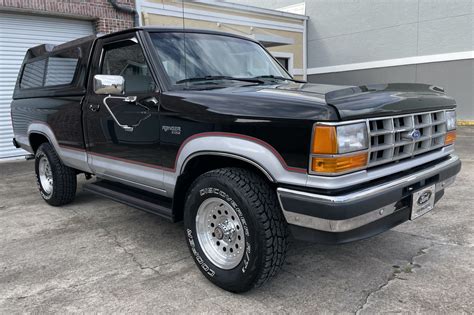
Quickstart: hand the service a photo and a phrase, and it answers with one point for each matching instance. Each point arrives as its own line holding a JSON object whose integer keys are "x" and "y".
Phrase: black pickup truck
{"x": 209, "y": 128}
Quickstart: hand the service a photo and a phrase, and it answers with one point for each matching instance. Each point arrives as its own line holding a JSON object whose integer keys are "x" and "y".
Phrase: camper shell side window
{"x": 54, "y": 70}
{"x": 57, "y": 69}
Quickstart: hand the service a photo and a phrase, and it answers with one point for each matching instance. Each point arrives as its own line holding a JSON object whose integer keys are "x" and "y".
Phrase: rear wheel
{"x": 56, "y": 182}
{"x": 235, "y": 229}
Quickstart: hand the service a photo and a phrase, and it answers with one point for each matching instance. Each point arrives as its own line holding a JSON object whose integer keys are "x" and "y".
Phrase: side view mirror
{"x": 109, "y": 84}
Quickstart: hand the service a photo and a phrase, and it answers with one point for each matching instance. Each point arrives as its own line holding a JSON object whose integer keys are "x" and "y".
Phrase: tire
{"x": 231, "y": 206}
{"x": 56, "y": 182}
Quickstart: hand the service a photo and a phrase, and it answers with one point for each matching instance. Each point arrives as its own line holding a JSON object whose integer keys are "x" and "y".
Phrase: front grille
{"x": 390, "y": 136}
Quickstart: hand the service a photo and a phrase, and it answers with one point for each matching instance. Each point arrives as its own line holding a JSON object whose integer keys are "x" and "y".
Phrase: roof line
{"x": 152, "y": 28}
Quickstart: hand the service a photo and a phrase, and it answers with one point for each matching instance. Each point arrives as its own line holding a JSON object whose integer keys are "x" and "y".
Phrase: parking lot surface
{"x": 96, "y": 255}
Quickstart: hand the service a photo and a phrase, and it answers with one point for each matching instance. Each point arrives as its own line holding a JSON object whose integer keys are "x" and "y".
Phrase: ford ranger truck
{"x": 208, "y": 128}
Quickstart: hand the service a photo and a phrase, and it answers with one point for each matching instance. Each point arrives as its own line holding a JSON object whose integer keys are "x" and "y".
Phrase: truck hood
{"x": 318, "y": 101}
{"x": 353, "y": 102}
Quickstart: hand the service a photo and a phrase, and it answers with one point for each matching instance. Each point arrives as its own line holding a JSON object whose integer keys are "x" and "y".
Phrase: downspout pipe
{"x": 126, "y": 9}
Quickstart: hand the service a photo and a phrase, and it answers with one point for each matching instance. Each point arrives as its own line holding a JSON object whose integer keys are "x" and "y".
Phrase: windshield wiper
{"x": 271, "y": 76}
{"x": 219, "y": 77}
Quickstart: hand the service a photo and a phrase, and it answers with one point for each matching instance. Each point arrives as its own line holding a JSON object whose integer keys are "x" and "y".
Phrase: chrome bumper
{"x": 313, "y": 221}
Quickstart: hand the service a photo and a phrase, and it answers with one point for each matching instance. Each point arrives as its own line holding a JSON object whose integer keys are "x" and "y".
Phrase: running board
{"x": 132, "y": 197}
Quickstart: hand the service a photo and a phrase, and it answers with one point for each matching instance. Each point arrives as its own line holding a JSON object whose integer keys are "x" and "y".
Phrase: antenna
{"x": 184, "y": 43}
{"x": 182, "y": 9}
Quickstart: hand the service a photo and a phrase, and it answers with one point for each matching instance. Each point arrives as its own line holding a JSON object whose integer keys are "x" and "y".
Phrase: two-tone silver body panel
{"x": 71, "y": 157}
{"x": 140, "y": 176}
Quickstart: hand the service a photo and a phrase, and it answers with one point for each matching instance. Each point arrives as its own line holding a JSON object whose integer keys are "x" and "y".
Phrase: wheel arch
{"x": 41, "y": 131}
{"x": 73, "y": 158}
{"x": 202, "y": 162}
{"x": 36, "y": 139}
{"x": 225, "y": 156}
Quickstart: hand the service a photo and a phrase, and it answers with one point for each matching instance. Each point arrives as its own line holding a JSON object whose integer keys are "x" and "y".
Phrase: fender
{"x": 252, "y": 150}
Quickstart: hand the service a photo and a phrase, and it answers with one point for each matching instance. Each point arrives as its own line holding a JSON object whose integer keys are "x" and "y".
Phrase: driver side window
{"x": 126, "y": 59}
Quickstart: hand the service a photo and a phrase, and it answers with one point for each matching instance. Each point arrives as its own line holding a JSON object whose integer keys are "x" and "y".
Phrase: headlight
{"x": 338, "y": 149}
{"x": 340, "y": 139}
{"x": 450, "y": 137}
{"x": 351, "y": 138}
{"x": 451, "y": 120}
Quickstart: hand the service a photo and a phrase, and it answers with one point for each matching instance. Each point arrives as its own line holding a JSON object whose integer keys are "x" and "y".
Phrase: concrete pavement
{"x": 96, "y": 255}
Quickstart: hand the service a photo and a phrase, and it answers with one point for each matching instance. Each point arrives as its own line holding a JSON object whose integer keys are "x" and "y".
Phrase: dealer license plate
{"x": 423, "y": 201}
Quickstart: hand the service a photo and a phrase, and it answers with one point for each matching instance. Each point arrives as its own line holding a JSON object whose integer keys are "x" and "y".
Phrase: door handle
{"x": 94, "y": 107}
{"x": 130, "y": 99}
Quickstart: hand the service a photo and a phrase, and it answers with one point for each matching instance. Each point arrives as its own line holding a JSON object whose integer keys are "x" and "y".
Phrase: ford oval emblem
{"x": 415, "y": 134}
{"x": 424, "y": 198}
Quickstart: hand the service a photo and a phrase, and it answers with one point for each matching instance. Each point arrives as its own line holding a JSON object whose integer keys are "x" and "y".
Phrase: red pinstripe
{"x": 200, "y": 135}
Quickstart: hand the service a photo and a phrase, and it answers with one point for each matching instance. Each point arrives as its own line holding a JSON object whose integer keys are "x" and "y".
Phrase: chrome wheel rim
{"x": 220, "y": 233}
{"x": 45, "y": 175}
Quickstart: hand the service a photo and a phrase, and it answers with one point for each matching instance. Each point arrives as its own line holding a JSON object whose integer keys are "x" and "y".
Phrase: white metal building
{"x": 18, "y": 32}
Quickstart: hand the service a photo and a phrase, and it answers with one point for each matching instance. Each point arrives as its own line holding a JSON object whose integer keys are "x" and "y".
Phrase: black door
{"x": 122, "y": 131}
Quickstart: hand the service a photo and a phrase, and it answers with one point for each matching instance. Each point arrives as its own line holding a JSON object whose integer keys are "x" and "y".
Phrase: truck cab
{"x": 208, "y": 128}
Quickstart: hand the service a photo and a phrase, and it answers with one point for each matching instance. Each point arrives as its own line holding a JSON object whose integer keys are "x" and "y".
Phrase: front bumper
{"x": 365, "y": 212}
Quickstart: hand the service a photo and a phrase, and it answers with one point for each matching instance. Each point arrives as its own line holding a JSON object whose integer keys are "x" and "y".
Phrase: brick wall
{"x": 106, "y": 18}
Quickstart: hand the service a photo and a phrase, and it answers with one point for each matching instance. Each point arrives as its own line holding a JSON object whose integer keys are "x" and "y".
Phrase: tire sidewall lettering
{"x": 200, "y": 258}
{"x": 196, "y": 254}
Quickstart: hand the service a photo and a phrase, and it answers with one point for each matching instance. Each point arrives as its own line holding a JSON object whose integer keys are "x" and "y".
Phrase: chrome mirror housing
{"x": 108, "y": 84}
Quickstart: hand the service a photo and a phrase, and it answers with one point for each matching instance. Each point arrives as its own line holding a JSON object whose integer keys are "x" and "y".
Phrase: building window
{"x": 284, "y": 62}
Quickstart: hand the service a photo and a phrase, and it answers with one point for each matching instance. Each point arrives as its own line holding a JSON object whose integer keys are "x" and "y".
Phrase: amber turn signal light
{"x": 338, "y": 164}
{"x": 324, "y": 140}
{"x": 450, "y": 137}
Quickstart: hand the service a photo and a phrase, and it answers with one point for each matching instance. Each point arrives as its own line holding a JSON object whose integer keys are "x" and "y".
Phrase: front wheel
{"x": 235, "y": 229}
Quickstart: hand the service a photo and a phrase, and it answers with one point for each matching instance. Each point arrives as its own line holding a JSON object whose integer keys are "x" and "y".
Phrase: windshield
{"x": 212, "y": 57}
